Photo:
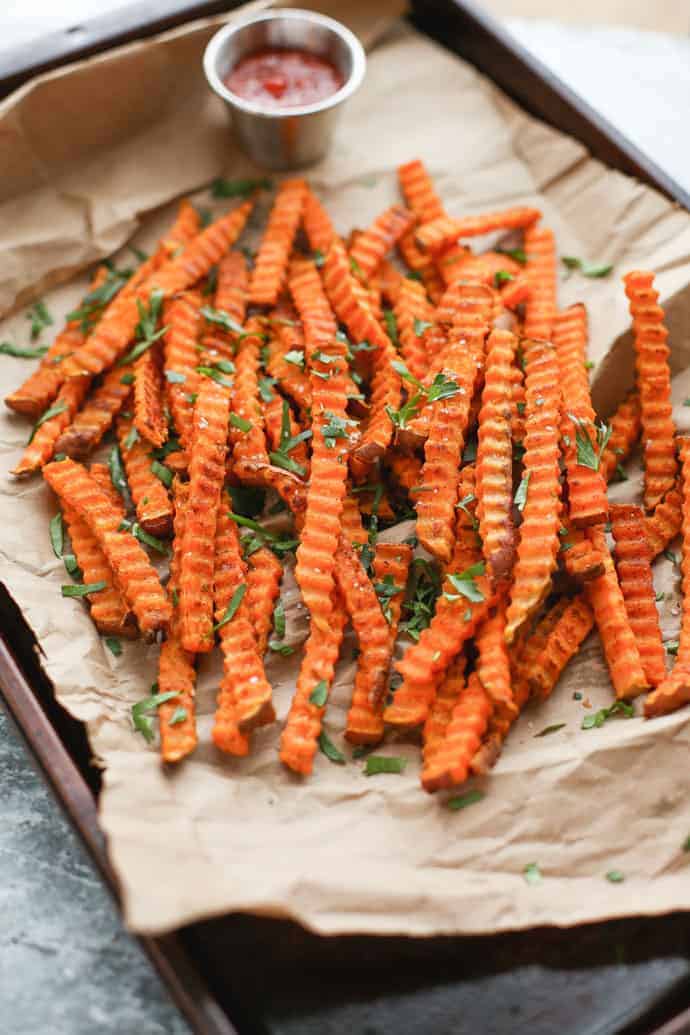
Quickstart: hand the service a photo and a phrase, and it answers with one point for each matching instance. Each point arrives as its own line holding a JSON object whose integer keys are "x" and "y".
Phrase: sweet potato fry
{"x": 249, "y": 443}
{"x": 206, "y": 477}
{"x": 618, "y": 640}
{"x": 176, "y": 672}
{"x": 317, "y": 224}
{"x": 491, "y": 268}
{"x": 588, "y": 504}
{"x": 625, "y": 426}
{"x": 413, "y": 314}
{"x": 539, "y": 544}
{"x": 664, "y": 523}
{"x": 494, "y": 471}
{"x": 419, "y": 192}
{"x": 91, "y": 422}
{"x": 245, "y": 699}
{"x": 149, "y": 412}
{"x": 541, "y": 306}
{"x": 674, "y": 691}
{"x": 562, "y": 643}
{"x": 306, "y": 289}
{"x": 390, "y": 569}
{"x": 373, "y": 245}
{"x": 230, "y": 298}
{"x": 263, "y": 588}
{"x": 351, "y": 522}
{"x": 653, "y": 385}
{"x": 450, "y": 763}
{"x": 270, "y": 268}
{"x": 182, "y": 317}
{"x": 388, "y": 281}
{"x": 275, "y": 414}
{"x": 528, "y": 647}
{"x": 422, "y": 265}
{"x": 445, "y": 230}
{"x": 149, "y": 494}
{"x": 134, "y": 576}
{"x": 48, "y": 430}
{"x": 405, "y": 469}
{"x": 493, "y": 664}
{"x": 580, "y": 557}
{"x": 288, "y": 339}
{"x": 517, "y": 404}
{"x": 447, "y": 695}
{"x": 633, "y": 559}
{"x": 516, "y": 291}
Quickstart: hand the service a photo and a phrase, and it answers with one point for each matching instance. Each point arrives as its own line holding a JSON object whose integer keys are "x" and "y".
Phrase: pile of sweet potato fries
{"x": 446, "y": 385}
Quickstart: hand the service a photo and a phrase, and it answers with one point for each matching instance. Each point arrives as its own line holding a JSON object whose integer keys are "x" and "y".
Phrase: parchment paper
{"x": 341, "y": 852}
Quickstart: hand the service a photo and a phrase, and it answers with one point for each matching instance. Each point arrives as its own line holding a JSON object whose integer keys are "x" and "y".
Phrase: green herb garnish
{"x": 7, "y": 349}
{"x": 319, "y": 694}
{"x": 113, "y": 645}
{"x": 231, "y": 609}
{"x": 81, "y": 591}
{"x": 40, "y": 318}
{"x": 222, "y": 188}
{"x": 463, "y": 800}
{"x": 57, "y": 534}
{"x": 142, "y": 722}
{"x": 146, "y": 333}
{"x": 377, "y": 764}
{"x": 328, "y": 748}
{"x": 621, "y": 708}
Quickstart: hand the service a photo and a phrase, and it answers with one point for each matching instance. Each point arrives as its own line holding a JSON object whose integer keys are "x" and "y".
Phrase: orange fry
{"x": 317, "y": 224}
{"x": 182, "y": 317}
{"x": 412, "y": 311}
{"x": 587, "y": 500}
{"x": 273, "y": 418}
{"x": 490, "y": 268}
{"x": 495, "y": 456}
{"x": 525, "y": 651}
{"x": 351, "y": 522}
{"x": 263, "y": 588}
{"x": 149, "y": 413}
{"x": 450, "y": 762}
{"x": 516, "y": 291}
{"x": 663, "y": 525}
{"x": 563, "y": 642}
{"x": 206, "y": 477}
{"x": 134, "y": 576}
{"x": 618, "y": 640}
{"x": 150, "y": 496}
{"x": 633, "y": 559}
{"x": 541, "y": 306}
{"x": 176, "y": 672}
{"x": 674, "y": 691}
{"x": 288, "y": 338}
{"x": 373, "y": 245}
{"x": 653, "y": 385}
{"x": 96, "y": 415}
{"x": 493, "y": 665}
{"x": 517, "y": 404}
{"x": 270, "y": 267}
{"x": 312, "y": 305}
{"x": 539, "y": 543}
{"x": 389, "y": 281}
{"x": 250, "y": 443}
{"x": 445, "y": 230}
{"x": 419, "y": 192}
{"x": 447, "y": 695}
{"x": 405, "y": 469}
{"x": 421, "y": 264}
{"x": 580, "y": 558}
{"x": 625, "y": 426}
{"x": 230, "y": 298}
{"x": 41, "y": 446}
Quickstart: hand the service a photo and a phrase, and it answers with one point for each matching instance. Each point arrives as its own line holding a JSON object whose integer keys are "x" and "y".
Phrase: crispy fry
{"x": 539, "y": 543}
{"x": 541, "y": 306}
{"x": 674, "y": 691}
{"x": 562, "y": 643}
{"x": 516, "y": 291}
{"x": 450, "y": 763}
{"x": 633, "y": 559}
{"x": 618, "y": 640}
{"x": 149, "y": 413}
{"x": 517, "y": 404}
{"x": 653, "y": 385}
{"x": 270, "y": 267}
{"x": 493, "y": 665}
{"x": 389, "y": 280}
{"x": 288, "y": 338}
{"x": 250, "y": 444}
{"x": 42, "y": 444}
{"x": 625, "y": 426}
{"x": 423, "y": 265}
{"x": 495, "y": 456}
{"x": 150, "y": 496}
{"x": 176, "y": 672}
{"x": 134, "y": 576}
{"x": 206, "y": 477}
{"x": 273, "y": 419}
{"x": 418, "y": 190}
{"x": 230, "y": 297}
{"x": 312, "y": 305}
{"x": 447, "y": 695}
{"x": 182, "y": 317}
{"x": 405, "y": 469}
{"x": 580, "y": 558}
{"x": 445, "y": 230}
{"x": 528, "y": 647}
{"x": 490, "y": 268}
{"x": 663, "y": 525}
{"x": 373, "y": 245}
{"x": 351, "y": 522}
{"x": 588, "y": 504}
{"x": 263, "y": 588}
{"x": 317, "y": 224}
{"x": 412, "y": 309}
{"x": 91, "y": 422}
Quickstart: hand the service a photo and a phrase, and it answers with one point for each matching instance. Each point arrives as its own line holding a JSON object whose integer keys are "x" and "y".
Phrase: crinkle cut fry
{"x": 365, "y": 725}
{"x": 445, "y": 230}
{"x": 541, "y": 306}
{"x": 455, "y": 621}
{"x": 563, "y": 642}
{"x": 248, "y": 445}
{"x": 625, "y": 426}
{"x": 371, "y": 247}
{"x": 288, "y": 337}
{"x": 618, "y": 640}
{"x": 307, "y": 291}
{"x": 423, "y": 265}
{"x": 317, "y": 224}
{"x": 176, "y": 671}
{"x": 483, "y": 268}
{"x": 410, "y": 307}
{"x": 388, "y": 281}
{"x": 653, "y": 385}
{"x": 42, "y": 444}
{"x": 494, "y": 469}
{"x": 539, "y": 543}
{"x": 404, "y": 468}
{"x": 263, "y": 589}
{"x": 419, "y": 192}
{"x": 450, "y": 762}
{"x": 351, "y": 522}
{"x": 116, "y": 327}
{"x": 633, "y": 559}
{"x": 299, "y": 740}
{"x": 587, "y": 500}
{"x": 273, "y": 420}
{"x": 245, "y": 699}
{"x": 182, "y": 317}
{"x": 134, "y": 576}
{"x": 270, "y": 267}
{"x": 151, "y": 499}
{"x": 149, "y": 411}
{"x": 38, "y": 391}
{"x": 436, "y": 725}
{"x": 674, "y": 691}
{"x": 206, "y": 477}
{"x": 91, "y": 422}
{"x": 663, "y": 525}
{"x": 230, "y": 297}
{"x": 493, "y": 664}
{"x": 517, "y": 404}
{"x": 580, "y": 558}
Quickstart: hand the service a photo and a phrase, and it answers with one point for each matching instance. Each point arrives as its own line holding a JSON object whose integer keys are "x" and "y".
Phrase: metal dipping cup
{"x": 296, "y": 136}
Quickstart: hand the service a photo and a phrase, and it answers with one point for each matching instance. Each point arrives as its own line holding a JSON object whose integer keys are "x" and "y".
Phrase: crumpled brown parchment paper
{"x": 342, "y": 852}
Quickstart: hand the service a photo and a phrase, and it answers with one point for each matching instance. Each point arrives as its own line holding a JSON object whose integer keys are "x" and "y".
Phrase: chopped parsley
{"x": 377, "y": 764}
{"x": 587, "y": 455}
{"x": 95, "y": 301}
{"x": 465, "y": 584}
{"x": 462, "y": 801}
{"x": 423, "y": 589}
{"x": 7, "y": 349}
{"x": 231, "y": 609}
{"x": 587, "y": 269}
{"x": 84, "y": 589}
{"x": 221, "y": 319}
{"x": 40, "y": 318}
{"x": 521, "y": 494}
{"x": 142, "y": 722}
{"x": 288, "y": 442}
{"x": 329, "y": 749}
{"x": 532, "y": 873}
{"x": 145, "y": 333}
{"x": 598, "y": 719}
{"x": 319, "y": 694}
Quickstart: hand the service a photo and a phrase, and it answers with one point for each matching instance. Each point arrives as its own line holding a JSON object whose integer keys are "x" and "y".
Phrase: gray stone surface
{"x": 67, "y": 966}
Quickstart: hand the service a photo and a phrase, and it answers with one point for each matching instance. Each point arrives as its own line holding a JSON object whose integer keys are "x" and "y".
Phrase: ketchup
{"x": 276, "y": 79}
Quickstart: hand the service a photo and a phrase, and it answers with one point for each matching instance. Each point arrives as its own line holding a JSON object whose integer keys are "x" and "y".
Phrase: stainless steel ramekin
{"x": 297, "y": 136}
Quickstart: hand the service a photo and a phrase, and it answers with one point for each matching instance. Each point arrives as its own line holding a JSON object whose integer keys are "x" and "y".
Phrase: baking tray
{"x": 255, "y": 975}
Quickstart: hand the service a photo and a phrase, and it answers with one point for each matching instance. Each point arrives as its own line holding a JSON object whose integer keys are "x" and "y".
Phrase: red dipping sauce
{"x": 278, "y": 79}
